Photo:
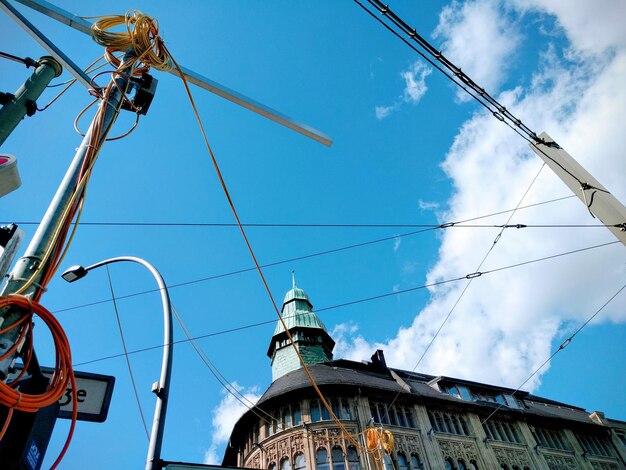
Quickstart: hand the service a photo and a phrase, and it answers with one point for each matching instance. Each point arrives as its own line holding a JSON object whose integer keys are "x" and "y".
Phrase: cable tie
{"x": 447, "y": 225}
{"x": 565, "y": 343}
{"x": 621, "y": 226}
{"x": 19, "y": 399}
{"x": 498, "y": 116}
{"x": 473, "y": 275}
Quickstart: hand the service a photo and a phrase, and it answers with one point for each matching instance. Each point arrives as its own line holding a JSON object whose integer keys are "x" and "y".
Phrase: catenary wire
{"x": 224, "y": 224}
{"x": 250, "y": 269}
{"x": 461, "y": 79}
{"x": 362, "y": 300}
{"x": 562, "y": 346}
{"x": 471, "y": 279}
{"x": 130, "y": 368}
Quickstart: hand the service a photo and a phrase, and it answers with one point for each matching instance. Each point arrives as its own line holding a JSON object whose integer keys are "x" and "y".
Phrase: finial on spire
{"x": 293, "y": 278}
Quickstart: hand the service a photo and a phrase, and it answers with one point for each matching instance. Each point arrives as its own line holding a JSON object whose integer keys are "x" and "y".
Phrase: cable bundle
{"x": 141, "y": 36}
{"x": 63, "y": 373}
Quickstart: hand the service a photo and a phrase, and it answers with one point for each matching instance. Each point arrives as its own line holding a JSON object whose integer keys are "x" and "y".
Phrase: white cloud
{"x": 225, "y": 415}
{"x": 592, "y": 27}
{"x": 414, "y": 89}
{"x": 506, "y": 323}
{"x": 396, "y": 244}
{"x": 415, "y": 82}
{"x": 383, "y": 111}
{"x": 480, "y": 37}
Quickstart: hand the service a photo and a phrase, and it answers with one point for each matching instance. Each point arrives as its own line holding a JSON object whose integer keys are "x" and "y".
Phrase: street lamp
{"x": 162, "y": 387}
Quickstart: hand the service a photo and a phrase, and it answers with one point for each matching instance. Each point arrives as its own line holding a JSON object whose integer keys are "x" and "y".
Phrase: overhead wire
{"x": 562, "y": 346}
{"x": 63, "y": 233}
{"x": 27, "y": 61}
{"x": 463, "y": 81}
{"x": 354, "y": 302}
{"x": 128, "y": 364}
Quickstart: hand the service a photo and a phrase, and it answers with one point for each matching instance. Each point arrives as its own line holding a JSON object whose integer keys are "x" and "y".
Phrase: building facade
{"x": 436, "y": 422}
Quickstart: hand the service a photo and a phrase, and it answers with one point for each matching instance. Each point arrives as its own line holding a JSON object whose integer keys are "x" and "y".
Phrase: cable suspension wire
{"x": 300, "y": 258}
{"x": 461, "y": 223}
{"x": 130, "y": 369}
{"x": 354, "y": 302}
{"x": 463, "y": 81}
{"x": 269, "y": 225}
{"x": 215, "y": 372}
{"x": 472, "y": 277}
{"x": 562, "y": 346}
{"x": 436, "y": 58}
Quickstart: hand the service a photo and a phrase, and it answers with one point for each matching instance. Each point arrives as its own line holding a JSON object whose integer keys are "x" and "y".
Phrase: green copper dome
{"x": 308, "y": 333}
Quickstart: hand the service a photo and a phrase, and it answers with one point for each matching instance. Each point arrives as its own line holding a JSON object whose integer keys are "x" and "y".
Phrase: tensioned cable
{"x": 471, "y": 279}
{"x": 366, "y": 299}
{"x": 563, "y": 345}
{"x": 269, "y": 225}
{"x": 130, "y": 369}
{"x": 223, "y": 381}
{"x": 27, "y": 61}
{"x": 225, "y": 224}
{"x": 311, "y": 255}
{"x": 463, "y": 81}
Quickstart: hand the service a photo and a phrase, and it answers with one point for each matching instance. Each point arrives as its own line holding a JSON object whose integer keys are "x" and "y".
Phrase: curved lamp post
{"x": 162, "y": 387}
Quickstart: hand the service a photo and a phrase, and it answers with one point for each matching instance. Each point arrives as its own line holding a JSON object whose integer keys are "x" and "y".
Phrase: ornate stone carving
{"x": 604, "y": 465}
{"x": 408, "y": 443}
{"x": 458, "y": 450}
{"x": 560, "y": 462}
{"x": 510, "y": 456}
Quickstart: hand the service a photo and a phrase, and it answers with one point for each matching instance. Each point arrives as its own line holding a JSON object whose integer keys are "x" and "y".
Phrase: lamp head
{"x": 74, "y": 273}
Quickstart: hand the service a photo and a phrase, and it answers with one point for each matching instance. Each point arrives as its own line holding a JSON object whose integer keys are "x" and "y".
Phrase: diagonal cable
{"x": 130, "y": 369}
{"x": 563, "y": 345}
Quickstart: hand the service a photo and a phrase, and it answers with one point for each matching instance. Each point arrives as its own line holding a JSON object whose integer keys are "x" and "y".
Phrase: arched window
{"x": 321, "y": 459}
{"x": 402, "y": 463}
{"x": 299, "y": 462}
{"x": 473, "y": 465}
{"x": 339, "y": 462}
{"x": 271, "y": 466}
{"x": 353, "y": 459}
{"x": 285, "y": 464}
{"x": 461, "y": 464}
{"x": 504, "y": 466}
{"x": 416, "y": 462}
{"x": 449, "y": 465}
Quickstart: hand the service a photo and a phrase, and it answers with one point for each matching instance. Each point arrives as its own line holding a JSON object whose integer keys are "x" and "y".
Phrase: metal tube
{"x": 162, "y": 392}
{"x": 14, "y": 111}
{"x": 29, "y": 264}
{"x": 197, "y": 79}
{"x": 48, "y": 45}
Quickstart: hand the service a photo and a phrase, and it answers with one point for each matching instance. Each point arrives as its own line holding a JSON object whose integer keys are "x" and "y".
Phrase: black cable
{"x": 353, "y": 302}
{"x": 562, "y": 346}
{"x": 300, "y": 258}
{"x": 27, "y": 61}
{"x": 288, "y": 225}
{"x": 130, "y": 369}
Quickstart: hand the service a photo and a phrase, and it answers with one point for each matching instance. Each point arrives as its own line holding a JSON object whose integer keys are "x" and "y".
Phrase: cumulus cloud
{"x": 414, "y": 89}
{"x": 225, "y": 415}
{"x": 481, "y": 37}
{"x": 504, "y": 325}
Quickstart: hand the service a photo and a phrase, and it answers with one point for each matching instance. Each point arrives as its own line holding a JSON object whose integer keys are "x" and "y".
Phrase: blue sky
{"x": 408, "y": 149}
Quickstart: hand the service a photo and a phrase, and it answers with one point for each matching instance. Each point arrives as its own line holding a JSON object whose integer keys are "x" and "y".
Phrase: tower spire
{"x": 293, "y": 278}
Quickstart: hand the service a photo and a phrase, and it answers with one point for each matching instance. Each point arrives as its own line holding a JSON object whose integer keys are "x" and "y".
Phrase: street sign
{"x": 93, "y": 394}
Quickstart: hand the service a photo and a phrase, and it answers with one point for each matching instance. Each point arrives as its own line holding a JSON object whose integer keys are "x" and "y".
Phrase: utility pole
{"x": 23, "y": 102}
{"x": 28, "y": 269}
{"x": 599, "y": 201}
